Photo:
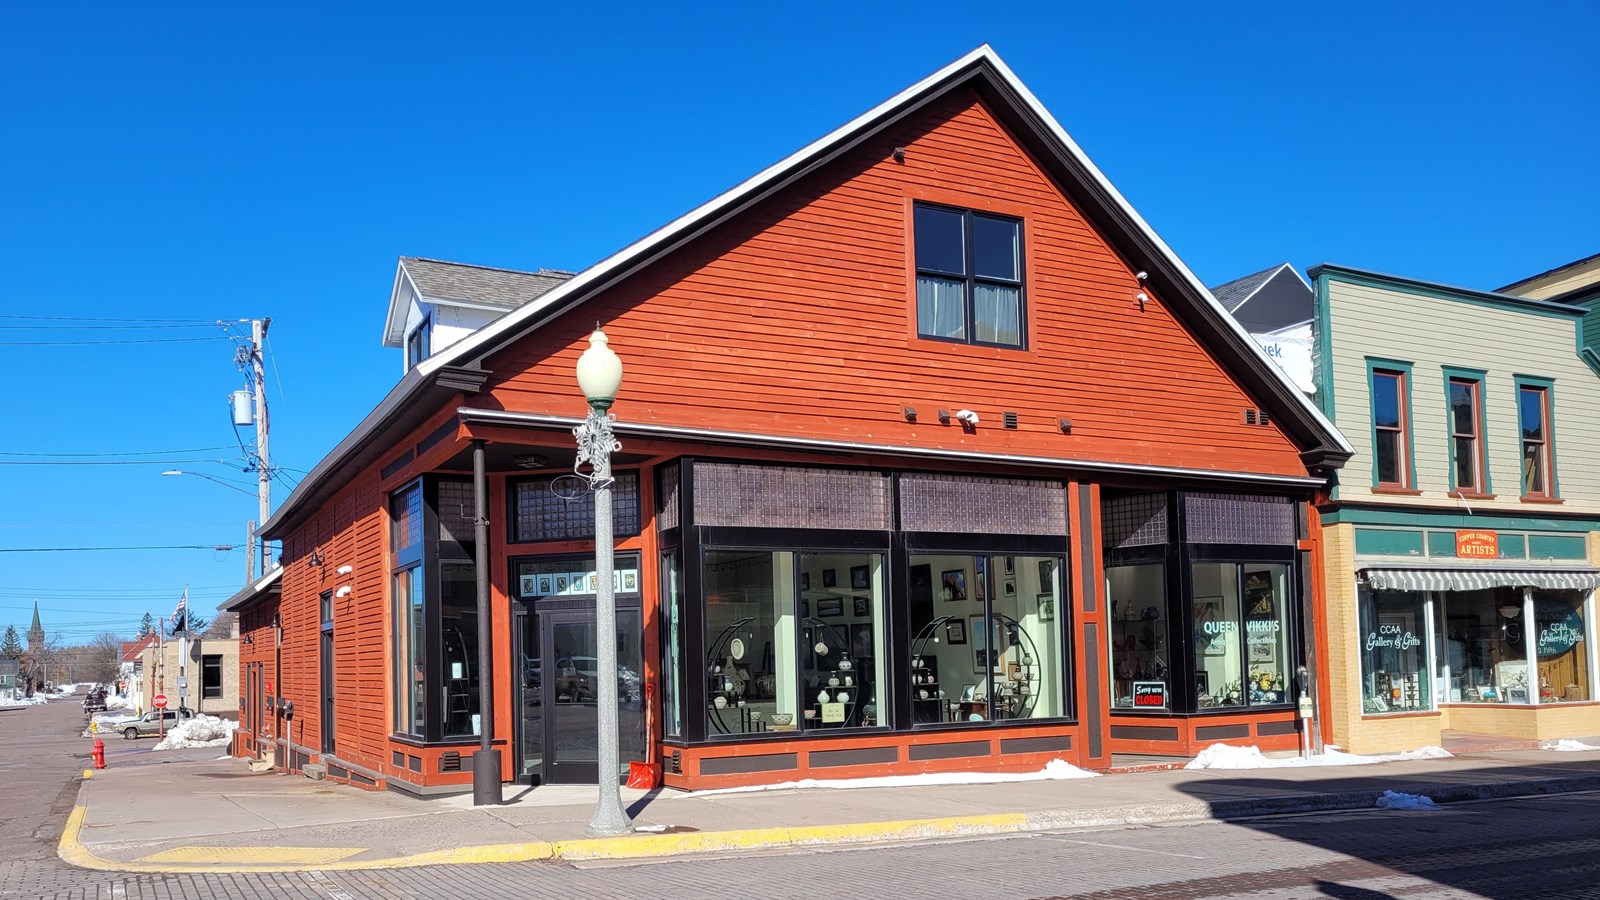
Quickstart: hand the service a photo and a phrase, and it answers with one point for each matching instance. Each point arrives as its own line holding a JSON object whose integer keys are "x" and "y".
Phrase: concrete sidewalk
{"x": 210, "y": 815}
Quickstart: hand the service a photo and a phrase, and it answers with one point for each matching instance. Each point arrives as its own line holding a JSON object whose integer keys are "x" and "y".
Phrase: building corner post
{"x": 486, "y": 761}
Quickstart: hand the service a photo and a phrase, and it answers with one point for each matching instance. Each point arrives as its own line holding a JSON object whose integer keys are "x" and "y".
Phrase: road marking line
{"x": 1133, "y": 849}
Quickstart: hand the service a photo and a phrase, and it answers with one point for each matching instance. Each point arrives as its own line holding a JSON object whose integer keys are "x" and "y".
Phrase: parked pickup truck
{"x": 150, "y": 722}
{"x": 95, "y": 700}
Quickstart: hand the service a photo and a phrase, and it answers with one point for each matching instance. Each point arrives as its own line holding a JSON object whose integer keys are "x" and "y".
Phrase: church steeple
{"x": 35, "y": 633}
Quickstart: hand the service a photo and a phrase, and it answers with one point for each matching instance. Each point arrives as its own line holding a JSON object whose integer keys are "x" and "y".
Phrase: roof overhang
{"x": 270, "y": 585}
{"x": 980, "y": 70}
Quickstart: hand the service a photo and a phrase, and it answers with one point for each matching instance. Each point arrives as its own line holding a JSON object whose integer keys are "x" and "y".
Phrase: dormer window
{"x": 417, "y": 343}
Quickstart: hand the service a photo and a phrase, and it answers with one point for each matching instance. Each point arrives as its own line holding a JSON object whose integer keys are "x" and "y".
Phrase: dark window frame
{"x": 971, "y": 280}
{"x": 211, "y": 676}
{"x": 419, "y": 342}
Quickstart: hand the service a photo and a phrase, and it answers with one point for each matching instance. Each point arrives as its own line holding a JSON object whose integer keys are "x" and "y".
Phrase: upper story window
{"x": 1466, "y": 435}
{"x": 1391, "y": 430}
{"x": 969, "y": 276}
{"x": 1533, "y": 412}
{"x": 418, "y": 343}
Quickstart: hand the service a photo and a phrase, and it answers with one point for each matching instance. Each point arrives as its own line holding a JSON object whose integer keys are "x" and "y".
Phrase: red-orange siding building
{"x": 934, "y": 457}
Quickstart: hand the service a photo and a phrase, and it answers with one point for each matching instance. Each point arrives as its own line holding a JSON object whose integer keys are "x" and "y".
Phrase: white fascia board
{"x": 642, "y": 250}
{"x": 394, "y": 324}
{"x": 1245, "y": 340}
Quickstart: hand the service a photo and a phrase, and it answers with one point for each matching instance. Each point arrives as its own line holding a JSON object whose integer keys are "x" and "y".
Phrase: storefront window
{"x": 1219, "y": 666}
{"x": 1561, "y": 649}
{"x": 841, "y": 599}
{"x": 671, "y": 644}
{"x": 991, "y": 649}
{"x": 1485, "y": 652}
{"x": 1266, "y": 633}
{"x": 1140, "y": 666}
{"x": 458, "y": 619}
{"x": 751, "y": 640}
{"x": 1394, "y": 656}
{"x": 408, "y": 600}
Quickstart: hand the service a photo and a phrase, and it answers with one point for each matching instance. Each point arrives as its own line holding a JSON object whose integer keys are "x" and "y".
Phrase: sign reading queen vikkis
{"x": 1476, "y": 543}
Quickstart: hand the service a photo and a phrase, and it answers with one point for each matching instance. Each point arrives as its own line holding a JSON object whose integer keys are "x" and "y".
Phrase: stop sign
{"x": 160, "y": 701}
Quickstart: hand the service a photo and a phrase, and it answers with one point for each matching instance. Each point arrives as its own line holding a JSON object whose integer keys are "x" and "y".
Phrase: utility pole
{"x": 258, "y": 333}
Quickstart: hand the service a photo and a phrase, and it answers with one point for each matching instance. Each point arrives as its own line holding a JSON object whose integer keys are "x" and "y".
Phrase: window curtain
{"x": 996, "y": 314}
{"x": 940, "y": 307}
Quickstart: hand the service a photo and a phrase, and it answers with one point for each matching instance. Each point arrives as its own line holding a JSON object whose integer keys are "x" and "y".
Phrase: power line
{"x": 108, "y": 462}
{"x": 219, "y": 337}
{"x": 218, "y": 547}
{"x": 103, "y": 327}
{"x": 217, "y": 322}
{"x": 124, "y": 453}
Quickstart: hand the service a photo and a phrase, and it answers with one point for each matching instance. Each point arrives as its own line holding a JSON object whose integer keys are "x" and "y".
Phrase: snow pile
{"x": 1227, "y": 756}
{"x": 14, "y": 701}
{"x": 200, "y": 731}
{"x": 1566, "y": 745}
{"x": 115, "y": 702}
{"x": 1397, "y": 800}
{"x": 1054, "y": 770}
{"x": 66, "y": 688}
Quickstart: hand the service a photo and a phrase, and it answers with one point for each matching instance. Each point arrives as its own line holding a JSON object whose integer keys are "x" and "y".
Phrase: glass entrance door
{"x": 560, "y": 722}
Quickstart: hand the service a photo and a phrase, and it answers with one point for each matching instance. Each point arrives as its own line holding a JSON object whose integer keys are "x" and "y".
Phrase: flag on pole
{"x": 180, "y": 616}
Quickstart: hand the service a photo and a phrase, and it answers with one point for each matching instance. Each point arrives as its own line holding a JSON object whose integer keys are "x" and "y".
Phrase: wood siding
{"x": 1433, "y": 333}
{"x": 798, "y": 318}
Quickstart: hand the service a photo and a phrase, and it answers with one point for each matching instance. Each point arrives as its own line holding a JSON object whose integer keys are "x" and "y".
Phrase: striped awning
{"x": 1477, "y": 579}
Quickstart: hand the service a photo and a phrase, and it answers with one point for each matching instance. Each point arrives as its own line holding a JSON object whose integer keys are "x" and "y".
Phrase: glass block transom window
{"x": 953, "y": 503}
{"x": 1139, "y": 520}
{"x": 539, "y": 513}
{"x": 1239, "y": 519}
{"x": 406, "y": 508}
{"x": 789, "y": 497}
{"x": 667, "y": 498}
{"x": 455, "y": 511}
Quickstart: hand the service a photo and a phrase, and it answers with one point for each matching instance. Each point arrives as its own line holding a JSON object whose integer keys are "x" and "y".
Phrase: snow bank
{"x": 1566, "y": 745}
{"x": 35, "y": 700}
{"x": 115, "y": 702}
{"x": 1054, "y": 770}
{"x": 200, "y": 731}
{"x": 1227, "y": 756}
{"x": 1397, "y": 800}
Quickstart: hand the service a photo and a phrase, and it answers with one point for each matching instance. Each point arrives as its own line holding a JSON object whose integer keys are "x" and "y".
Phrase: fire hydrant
{"x": 99, "y": 753}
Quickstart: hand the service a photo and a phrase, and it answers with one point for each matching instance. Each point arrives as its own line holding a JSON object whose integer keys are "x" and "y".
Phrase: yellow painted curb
{"x": 628, "y": 846}
{"x": 87, "y": 773}
{"x": 254, "y": 856}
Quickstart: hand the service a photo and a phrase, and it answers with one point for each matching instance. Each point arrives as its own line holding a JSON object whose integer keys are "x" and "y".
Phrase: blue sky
{"x": 196, "y": 162}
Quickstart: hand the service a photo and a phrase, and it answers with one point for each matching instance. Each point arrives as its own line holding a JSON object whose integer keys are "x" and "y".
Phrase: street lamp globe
{"x": 599, "y": 371}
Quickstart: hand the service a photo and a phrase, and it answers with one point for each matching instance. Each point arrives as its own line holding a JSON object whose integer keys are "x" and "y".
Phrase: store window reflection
{"x": 1394, "y": 661}
{"x": 750, "y": 640}
{"x": 1561, "y": 649}
{"x": 1218, "y": 653}
{"x": 1140, "y": 663}
{"x": 987, "y": 645}
{"x": 841, "y": 602}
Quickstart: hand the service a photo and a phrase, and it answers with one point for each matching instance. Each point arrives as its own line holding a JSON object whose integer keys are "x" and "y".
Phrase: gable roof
{"x": 1269, "y": 300}
{"x": 461, "y": 364}
{"x": 1233, "y": 294}
{"x": 132, "y": 649}
{"x": 447, "y": 283}
{"x": 1564, "y": 283}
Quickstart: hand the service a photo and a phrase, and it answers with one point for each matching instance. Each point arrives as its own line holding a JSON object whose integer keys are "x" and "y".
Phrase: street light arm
{"x": 212, "y": 478}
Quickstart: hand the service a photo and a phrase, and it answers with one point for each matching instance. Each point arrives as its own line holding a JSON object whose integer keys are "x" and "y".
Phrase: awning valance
{"x": 1477, "y": 579}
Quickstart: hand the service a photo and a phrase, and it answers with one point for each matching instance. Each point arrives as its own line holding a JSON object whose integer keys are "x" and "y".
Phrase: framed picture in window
{"x": 861, "y": 646}
{"x": 805, "y": 581}
{"x": 955, "y": 584}
{"x": 861, "y": 607}
{"x": 1008, "y": 588}
{"x": 968, "y": 691}
{"x": 1047, "y": 607}
{"x": 955, "y": 632}
{"x": 1010, "y": 565}
{"x": 1047, "y": 568}
{"x": 858, "y": 578}
{"x": 1210, "y": 632}
{"x": 1258, "y": 599}
{"x": 830, "y": 607}
{"x": 987, "y": 644}
{"x": 829, "y": 579}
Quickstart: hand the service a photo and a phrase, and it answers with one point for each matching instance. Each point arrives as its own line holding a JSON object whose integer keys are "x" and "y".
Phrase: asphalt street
{"x": 1526, "y": 848}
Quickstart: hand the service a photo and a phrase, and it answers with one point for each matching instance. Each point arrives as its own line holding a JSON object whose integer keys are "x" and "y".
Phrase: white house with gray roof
{"x": 435, "y": 303}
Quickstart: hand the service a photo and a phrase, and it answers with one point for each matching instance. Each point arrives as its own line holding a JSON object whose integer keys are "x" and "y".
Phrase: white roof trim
{"x": 639, "y": 252}
{"x": 685, "y": 227}
{"x": 394, "y": 325}
{"x": 253, "y": 591}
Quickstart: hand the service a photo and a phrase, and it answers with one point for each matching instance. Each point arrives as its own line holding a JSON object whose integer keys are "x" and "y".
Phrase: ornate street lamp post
{"x": 600, "y": 376}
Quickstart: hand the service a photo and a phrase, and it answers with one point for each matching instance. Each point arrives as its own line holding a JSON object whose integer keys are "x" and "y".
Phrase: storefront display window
{"x": 1394, "y": 655}
{"x": 1241, "y": 634}
{"x": 1218, "y": 654}
{"x": 458, "y": 619}
{"x": 793, "y": 641}
{"x": 671, "y": 644}
{"x": 1140, "y": 663}
{"x": 990, "y": 648}
{"x": 1561, "y": 649}
{"x": 1484, "y": 647}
